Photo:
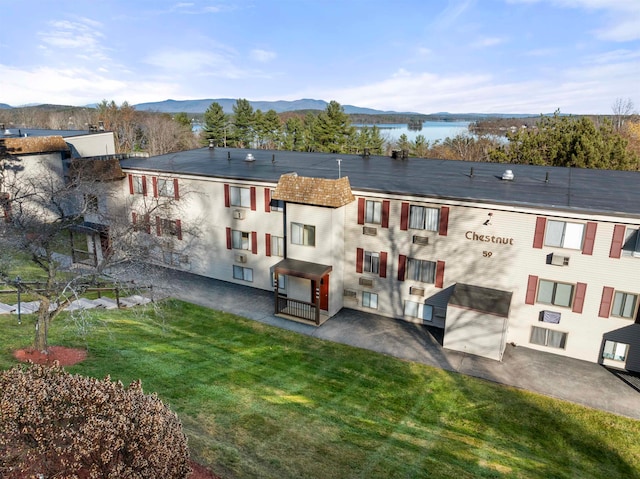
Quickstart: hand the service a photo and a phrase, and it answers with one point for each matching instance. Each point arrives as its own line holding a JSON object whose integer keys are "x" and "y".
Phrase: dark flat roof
{"x": 18, "y": 132}
{"x": 574, "y": 189}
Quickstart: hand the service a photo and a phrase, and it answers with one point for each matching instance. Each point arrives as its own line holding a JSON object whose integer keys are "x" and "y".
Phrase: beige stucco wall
{"x": 95, "y": 144}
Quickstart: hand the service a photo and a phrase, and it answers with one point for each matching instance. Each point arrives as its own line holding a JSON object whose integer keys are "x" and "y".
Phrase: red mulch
{"x": 69, "y": 357}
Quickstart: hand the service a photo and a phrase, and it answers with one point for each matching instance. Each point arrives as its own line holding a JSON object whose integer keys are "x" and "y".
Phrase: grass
{"x": 257, "y": 401}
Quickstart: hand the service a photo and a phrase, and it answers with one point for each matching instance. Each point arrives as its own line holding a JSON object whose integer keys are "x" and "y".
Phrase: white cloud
{"x": 262, "y": 56}
{"x": 81, "y": 35}
{"x": 485, "y": 42}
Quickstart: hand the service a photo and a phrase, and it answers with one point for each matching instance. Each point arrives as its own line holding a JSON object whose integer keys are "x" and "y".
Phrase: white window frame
{"x": 277, "y": 246}
{"x": 413, "y": 309}
{"x": 631, "y": 245}
{"x": 165, "y": 187}
{"x": 564, "y": 234}
{"x": 373, "y": 212}
{"x": 624, "y": 305}
{"x": 421, "y": 270}
{"x": 370, "y": 300}
{"x": 240, "y": 196}
{"x": 303, "y": 235}
{"x": 138, "y": 185}
{"x": 556, "y": 290}
{"x": 424, "y": 218}
{"x": 276, "y": 205}
{"x": 615, "y": 351}
{"x": 241, "y": 240}
{"x": 371, "y": 262}
{"x": 549, "y": 338}
{"x": 243, "y": 273}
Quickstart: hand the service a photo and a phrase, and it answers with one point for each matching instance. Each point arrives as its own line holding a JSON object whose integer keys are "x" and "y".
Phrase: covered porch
{"x": 89, "y": 243}
{"x": 309, "y": 302}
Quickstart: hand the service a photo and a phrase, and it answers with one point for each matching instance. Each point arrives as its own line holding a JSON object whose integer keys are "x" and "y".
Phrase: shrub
{"x": 55, "y": 424}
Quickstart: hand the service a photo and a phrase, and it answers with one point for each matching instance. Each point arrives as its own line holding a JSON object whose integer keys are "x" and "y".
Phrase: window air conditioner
{"x": 550, "y": 317}
{"x": 421, "y": 240}
{"x": 241, "y": 258}
{"x": 559, "y": 260}
{"x": 366, "y": 282}
{"x": 348, "y": 293}
{"x": 416, "y": 291}
{"x": 369, "y": 230}
{"x": 238, "y": 214}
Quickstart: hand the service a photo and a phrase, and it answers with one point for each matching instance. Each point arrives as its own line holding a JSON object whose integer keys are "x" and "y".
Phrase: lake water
{"x": 431, "y": 130}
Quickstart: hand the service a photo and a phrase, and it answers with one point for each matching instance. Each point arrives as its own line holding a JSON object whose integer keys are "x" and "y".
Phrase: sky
{"x": 425, "y": 56}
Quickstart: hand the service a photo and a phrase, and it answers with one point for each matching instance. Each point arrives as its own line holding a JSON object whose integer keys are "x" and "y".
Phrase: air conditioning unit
{"x": 240, "y": 258}
{"x": 369, "y": 230}
{"x": 421, "y": 240}
{"x": 550, "y": 317}
{"x": 366, "y": 282}
{"x": 559, "y": 260}
{"x": 348, "y": 293}
{"x": 416, "y": 291}
{"x": 238, "y": 214}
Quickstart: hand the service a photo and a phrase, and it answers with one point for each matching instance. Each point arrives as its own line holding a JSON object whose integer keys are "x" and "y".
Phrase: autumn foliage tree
{"x": 54, "y": 424}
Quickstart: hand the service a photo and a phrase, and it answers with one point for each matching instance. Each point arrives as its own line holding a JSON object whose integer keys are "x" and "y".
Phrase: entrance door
{"x": 324, "y": 293}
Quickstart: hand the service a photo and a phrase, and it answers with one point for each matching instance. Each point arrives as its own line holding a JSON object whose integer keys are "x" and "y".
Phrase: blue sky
{"x": 507, "y": 56}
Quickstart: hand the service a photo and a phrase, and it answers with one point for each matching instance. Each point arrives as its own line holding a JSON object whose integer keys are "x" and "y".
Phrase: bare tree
{"x": 49, "y": 207}
{"x": 622, "y": 109}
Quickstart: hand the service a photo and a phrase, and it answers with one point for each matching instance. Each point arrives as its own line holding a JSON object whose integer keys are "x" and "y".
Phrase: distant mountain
{"x": 4, "y": 106}
{"x": 281, "y": 106}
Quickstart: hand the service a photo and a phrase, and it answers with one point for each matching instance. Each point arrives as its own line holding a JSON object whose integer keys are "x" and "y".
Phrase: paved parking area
{"x": 549, "y": 374}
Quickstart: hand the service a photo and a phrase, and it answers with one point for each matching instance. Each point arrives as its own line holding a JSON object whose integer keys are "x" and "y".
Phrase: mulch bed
{"x": 70, "y": 356}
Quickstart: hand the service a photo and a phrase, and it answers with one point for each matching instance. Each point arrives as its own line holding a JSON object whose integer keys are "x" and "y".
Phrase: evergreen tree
{"x": 420, "y": 147}
{"x": 333, "y": 130}
{"x": 215, "y": 123}
{"x": 244, "y": 122}
{"x": 293, "y": 135}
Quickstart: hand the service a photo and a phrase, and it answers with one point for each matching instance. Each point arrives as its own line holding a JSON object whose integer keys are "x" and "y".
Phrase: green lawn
{"x": 257, "y": 401}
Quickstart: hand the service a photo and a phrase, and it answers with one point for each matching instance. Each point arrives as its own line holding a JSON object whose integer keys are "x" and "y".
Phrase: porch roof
{"x": 301, "y": 269}
{"x": 478, "y": 298}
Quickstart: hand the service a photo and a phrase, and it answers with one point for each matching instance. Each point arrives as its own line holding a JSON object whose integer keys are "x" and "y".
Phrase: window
{"x": 141, "y": 222}
{"x": 174, "y": 259}
{"x": 615, "y": 351}
{"x": 624, "y": 305}
{"x": 369, "y": 300}
{"x": 373, "y": 212}
{"x": 245, "y": 274}
{"x": 303, "y": 234}
{"x": 558, "y": 294}
{"x": 139, "y": 185}
{"x": 418, "y": 310}
{"x": 422, "y": 218}
{"x": 631, "y": 246}
{"x": 276, "y": 205}
{"x": 282, "y": 283}
{"x": 166, "y": 187}
{"x": 548, "y": 337}
{"x": 240, "y": 240}
{"x": 240, "y": 196}
{"x": 421, "y": 270}
{"x": 277, "y": 246}
{"x": 91, "y": 203}
{"x": 371, "y": 262}
{"x": 169, "y": 228}
{"x": 564, "y": 235}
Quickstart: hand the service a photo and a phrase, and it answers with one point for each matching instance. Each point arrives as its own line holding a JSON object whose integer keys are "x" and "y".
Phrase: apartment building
{"x": 540, "y": 257}
{"x": 544, "y": 258}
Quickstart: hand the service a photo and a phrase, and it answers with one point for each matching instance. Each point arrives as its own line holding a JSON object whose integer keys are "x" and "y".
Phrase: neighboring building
{"x": 492, "y": 254}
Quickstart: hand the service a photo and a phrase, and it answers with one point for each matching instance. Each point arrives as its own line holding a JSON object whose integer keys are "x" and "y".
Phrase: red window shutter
{"x": 383, "y": 264}
{"x": 144, "y": 185}
{"x": 267, "y": 200}
{"x": 176, "y": 191}
{"x": 147, "y": 223}
{"x": 538, "y": 236}
{"x": 589, "y": 238}
{"x": 228, "y": 238}
{"x": 404, "y": 216}
{"x": 154, "y": 183}
{"x": 252, "y": 193}
{"x": 179, "y": 229}
{"x": 532, "y": 286}
{"x": 158, "y": 226}
{"x": 578, "y": 300}
{"x": 617, "y": 241}
{"x": 444, "y": 221}
{"x": 439, "y": 274}
{"x": 130, "y": 184}
{"x": 359, "y": 260}
{"x": 254, "y": 242}
{"x": 402, "y": 266}
{"x": 605, "y": 302}
{"x": 134, "y": 217}
{"x": 385, "y": 213}
{"x": 361, "y": 202}
{"x": 227, "y": 196}
{"x": 267, "y": 242}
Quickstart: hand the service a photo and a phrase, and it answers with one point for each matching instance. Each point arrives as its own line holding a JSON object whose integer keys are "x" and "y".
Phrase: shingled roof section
{"x": 96, "y": 169}
{"x": 35, "y": 144}
{"x": 314, "y": 191}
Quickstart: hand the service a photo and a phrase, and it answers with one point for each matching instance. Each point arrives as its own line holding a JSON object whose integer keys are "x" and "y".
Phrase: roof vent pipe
{"x": 508, "y": 175}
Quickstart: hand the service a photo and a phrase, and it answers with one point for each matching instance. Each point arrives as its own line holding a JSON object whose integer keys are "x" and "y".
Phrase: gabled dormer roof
{"x": 314, "y": 191}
